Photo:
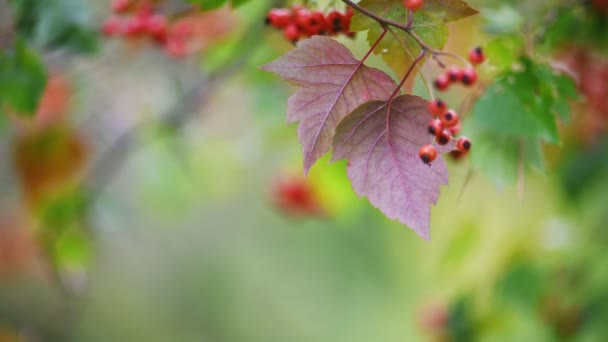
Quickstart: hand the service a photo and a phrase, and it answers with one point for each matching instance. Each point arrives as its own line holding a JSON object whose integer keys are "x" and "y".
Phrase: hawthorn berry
{"x": 413, "y": 4}
{"x": 454, "y": 74}
{"x": 435, "y": 127}
{"x": 442, "y": 82}
{"x": 437, "y": 107}
{"x": 135, "y": 26}
{"x": 156, "y": 25}
{"x": 427, "y": 153}
{"x": 278, "y": 17}
{"x": 476, "y": 55}
{"x": 443, "y": 137}
{"x": 315, "y": 23}
{"x": 463, "y": 144}
{"x": 333, "y": 22}
{"x": 450, "y": 118}
{"x": 455, "y": 129}
{"x": 291, "y": 32}
{"x": 469, "y": 76}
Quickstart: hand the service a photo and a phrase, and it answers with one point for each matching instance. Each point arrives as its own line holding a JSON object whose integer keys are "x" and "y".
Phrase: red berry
{"x": 449, "y": 118}
{"x": 455, "y": 129}
{"x": 278, "y": 17}
{"x": 442, "y": 82}
{"x": 119, "y": 6}
{"x": 469, "y": 76}
{"x": 437, "y": 107}
{"x": 291, "y": 32}
{"x": 135, "y": 26}
{"x": 463, "y": 144}
{"x": 454, "y": 74}
{"x": 413, "y": 4}
{"x": 315, "y": 23}
{"x": 156, "y": 25}
{"x": 112, "y": 26}
{"x": 333, "y": 22}
{"x": 435, "y": 127}
{"x": 476, "y": 55}
{"x": 443, "y": 137}
{"x": 427, "y": 153}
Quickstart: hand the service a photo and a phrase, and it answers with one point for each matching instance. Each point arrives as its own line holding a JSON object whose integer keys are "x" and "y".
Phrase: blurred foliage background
{"x": 145, "y": 197}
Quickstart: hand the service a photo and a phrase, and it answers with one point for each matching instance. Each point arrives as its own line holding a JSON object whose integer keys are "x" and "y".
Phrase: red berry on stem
{"x": 454, "y": 74}
{"x": 156, "y": 25}
{"x": 442, "y": 82}
{"x": 437, "y": 107}
{"x": 463, "y": 144}
{"x": 291, "y": 32}
{"x": 427, "y": 153}
{"x": 278, "y": 17}
{"x": 135, "y": 26}
{"x": 333, "y": 22}
{"x": 476, "y": 55}
{"x": 413, "y": 4}
{"x": 455, "y": 129}
{"x": 469, "y": 76}
{"x": 443, "y": 137}
{"x": 450, "y": 118}
{"x": 435, "y": 127}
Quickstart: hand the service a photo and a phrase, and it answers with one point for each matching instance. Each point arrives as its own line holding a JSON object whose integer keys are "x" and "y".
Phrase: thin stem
{"x": 422, "y": 74}
{"x": 407, "y": 74}
{"x": 371, "y": 49}
{"x": 387, "y": 22}
{"x": 410, "y": 18}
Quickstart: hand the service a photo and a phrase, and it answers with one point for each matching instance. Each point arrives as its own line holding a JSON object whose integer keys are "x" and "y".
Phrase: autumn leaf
{"x": 397, "y": 48}
{"x": 333, "y": 83}
{"x": 381, "y": 140}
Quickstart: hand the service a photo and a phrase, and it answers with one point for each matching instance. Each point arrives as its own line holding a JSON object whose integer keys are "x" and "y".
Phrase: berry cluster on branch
{"x": 138, "y": 19}
{"x": 298, "y": 22}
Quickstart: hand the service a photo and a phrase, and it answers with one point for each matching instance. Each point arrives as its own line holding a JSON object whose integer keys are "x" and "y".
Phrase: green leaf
{"x": 56, "y": 24}
{"x": 22, "y": 80}
{"x": 503, "y": 51}
{"x": 515, "y": 115}
{"x": 397, "y": 48}
{"x": 206, "y": 5}
{"x": 503, "y": 20}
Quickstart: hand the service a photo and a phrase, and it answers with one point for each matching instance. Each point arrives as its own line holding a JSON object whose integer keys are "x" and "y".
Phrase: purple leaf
{"x": 381, "y": 141}
{"x": 333, "y": 83}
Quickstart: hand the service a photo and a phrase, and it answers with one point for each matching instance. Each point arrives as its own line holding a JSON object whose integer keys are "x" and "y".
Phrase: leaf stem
{"x": 407, "y": 74}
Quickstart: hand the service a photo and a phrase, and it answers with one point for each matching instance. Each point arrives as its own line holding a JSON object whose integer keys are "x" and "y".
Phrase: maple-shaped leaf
{"x": 381, "y": 140}
{"x": 397, "y": 48}
{"x": 333, "y": 83}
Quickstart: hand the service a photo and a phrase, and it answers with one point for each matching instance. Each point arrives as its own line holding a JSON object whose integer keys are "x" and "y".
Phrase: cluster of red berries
{"x": 413, "y": 4}
{"x": 454, "y": 74}
{"x": 444, "y": 127}
{"x": 298, "y": 22}
{"x": 143, "y": 22}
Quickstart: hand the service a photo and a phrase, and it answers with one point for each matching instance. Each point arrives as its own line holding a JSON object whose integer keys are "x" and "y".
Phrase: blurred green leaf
{"x": 206, "y": 5}
{"x": 503, "y": 51}
{"x": 503, "y": 20}
{"x": 22, "y": 79}
{"x": 515, "y": 115}
{"x": 56, "y": 24}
